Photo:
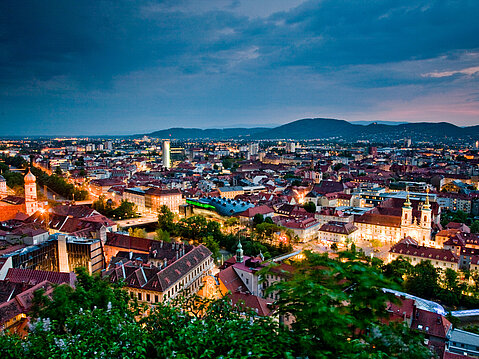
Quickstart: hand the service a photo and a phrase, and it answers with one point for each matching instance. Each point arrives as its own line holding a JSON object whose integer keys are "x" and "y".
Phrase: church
{"x": 391, "y": 228}
{"x": 12, "y": 206}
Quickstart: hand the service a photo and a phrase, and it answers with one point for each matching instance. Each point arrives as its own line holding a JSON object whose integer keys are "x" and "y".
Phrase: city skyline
{"x": 98, "y": 68}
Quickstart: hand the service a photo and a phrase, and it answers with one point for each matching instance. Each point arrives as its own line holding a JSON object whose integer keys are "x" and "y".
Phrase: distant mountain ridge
{"x": 327, "y": 128}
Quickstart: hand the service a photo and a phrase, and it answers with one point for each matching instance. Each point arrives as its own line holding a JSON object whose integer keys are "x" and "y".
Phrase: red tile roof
{"x": 251, "y": 212}
{"x": 426, "y": 253}
{"x": 127, "y": 242}
{"x": 33, "y": 277}
{"x": 431, "y": 323}
{"x": 379, "y": 220}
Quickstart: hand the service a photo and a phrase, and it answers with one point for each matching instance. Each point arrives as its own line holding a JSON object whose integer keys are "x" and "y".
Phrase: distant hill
{"x": 213, "y": 133}
{"x": 324, "y": 128}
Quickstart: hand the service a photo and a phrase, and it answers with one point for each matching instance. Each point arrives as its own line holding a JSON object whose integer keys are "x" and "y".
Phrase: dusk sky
{"x": 72, "y": 67}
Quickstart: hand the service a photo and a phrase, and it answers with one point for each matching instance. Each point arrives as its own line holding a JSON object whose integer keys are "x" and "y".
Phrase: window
{"x": 139, "y": 296}
{"x": 156, "y": 299}
{"x": 147, "y": 297}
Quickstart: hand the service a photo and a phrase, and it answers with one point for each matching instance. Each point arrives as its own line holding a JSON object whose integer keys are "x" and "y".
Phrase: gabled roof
{"x": 33, "y": 277}
{"x": 137, "y": 274}
{"x": 131, "y": 243}
{"x": 425, "y": 253}
{"x": 431, "y": 323}
{"x": 379, "y": 220}
{"x": 251, "y": 212}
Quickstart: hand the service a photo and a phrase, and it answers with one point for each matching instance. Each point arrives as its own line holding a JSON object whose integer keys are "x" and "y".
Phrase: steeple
{"x": 239, "y": 253}
{"x": 406, "y": 218}
{"x": 31, "y": 204}
{"x": 407, "y": 204}
{"x": 427, "y": 206}
{"x": 426, "y": 213}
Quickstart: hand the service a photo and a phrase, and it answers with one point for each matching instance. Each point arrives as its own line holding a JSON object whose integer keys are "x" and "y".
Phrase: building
{"x": 60, "y": 253}
{"x": 247, "y": 216}
{"x": 305, "y": 228}
{"x": 3, "y": 187}
{"x": 166, "y": 154}
{"x": 338, "y": 232}
{"x": 392, "y": 228}
{"x": 253, "y": 149}
{"x": 414, "y": 253}
{"x": 155, "y": 198}
{"x": 137, "y": 197}
{"x": 31, "y": 204}
{"x": 291, "y": 147}
{"x": 463, "y": 343}
{"x": 161, "y": 274}
{"x": 231, "y": 191}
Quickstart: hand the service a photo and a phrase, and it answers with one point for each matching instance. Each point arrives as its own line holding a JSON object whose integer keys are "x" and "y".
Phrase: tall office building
{"x": 291, "y": 147}
{"x": 253, "y": 148}
{"x": 166, "y": 154}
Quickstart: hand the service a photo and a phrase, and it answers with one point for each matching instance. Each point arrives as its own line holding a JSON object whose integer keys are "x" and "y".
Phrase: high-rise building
{"x": 291, "y": 147}
{"x": 31, "y": 204}
{"x": 253, "y": 148}
{"x": 166, "y": 154}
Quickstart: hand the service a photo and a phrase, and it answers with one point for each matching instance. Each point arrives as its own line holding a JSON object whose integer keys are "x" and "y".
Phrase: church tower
{"x": 426, "y": 213}
{"x": 406, "y": 218}
{"x": 31, "y": 204}
{"x": 3, "y": 187}
{"x": 239, "y": 253}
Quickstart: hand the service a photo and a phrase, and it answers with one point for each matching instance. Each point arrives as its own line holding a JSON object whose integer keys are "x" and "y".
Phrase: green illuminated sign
{"x": 199, "y": 204}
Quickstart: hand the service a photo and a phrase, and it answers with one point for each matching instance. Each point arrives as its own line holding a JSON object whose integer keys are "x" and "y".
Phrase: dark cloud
{"x": 120, "y": 62}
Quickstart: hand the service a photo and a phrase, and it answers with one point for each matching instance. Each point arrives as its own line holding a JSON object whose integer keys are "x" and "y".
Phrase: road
{"x": 148, "y": 218}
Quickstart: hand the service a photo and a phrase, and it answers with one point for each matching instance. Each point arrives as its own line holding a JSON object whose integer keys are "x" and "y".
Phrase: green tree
{"x": 310, "y": 207}
{"x": 475, "y": 227}
{"x": 227, "y": 163}
{"x": 268, "y": 220}
{"x": 162, "y": 235}
{"x": 137, "y": 232}
{"x": 125, "y": 210}
{"x": 166, "y": 219}
{"x": 258, "y": 218}
{"x": 212, "y": 245}
{"x": 423, "y": 280}
{"x": 338, "y": 305}
{"x": 397, "y": 269}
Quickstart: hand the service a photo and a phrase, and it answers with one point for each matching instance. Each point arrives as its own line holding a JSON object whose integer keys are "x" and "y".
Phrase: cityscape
{"x": 193, "y": 201}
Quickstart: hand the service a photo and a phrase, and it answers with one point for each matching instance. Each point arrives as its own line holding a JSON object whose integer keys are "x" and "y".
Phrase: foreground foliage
{"x": 337, "y": 305}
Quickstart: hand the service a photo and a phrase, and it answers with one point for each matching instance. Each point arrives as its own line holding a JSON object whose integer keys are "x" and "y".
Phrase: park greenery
{"x": 200, "y": 230}
{"x": 338, "y": 306}
{"x": 124, "y": 210}
{"x": 451, "y": 288}
{"x": 460, "y": 217}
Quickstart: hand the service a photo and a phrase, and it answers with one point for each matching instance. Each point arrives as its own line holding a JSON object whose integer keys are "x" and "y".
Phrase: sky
{"x": 96, "y": 67}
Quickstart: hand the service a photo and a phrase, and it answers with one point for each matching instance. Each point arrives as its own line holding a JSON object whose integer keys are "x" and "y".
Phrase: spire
{"x": 407, "y": 204}
{"x": 239, "y": 253}
{"x": 427, "y": 206}
{"x": 29, "y": 177}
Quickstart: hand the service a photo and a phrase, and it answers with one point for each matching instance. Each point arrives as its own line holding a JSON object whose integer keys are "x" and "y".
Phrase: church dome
{"x": 29, "y": 177}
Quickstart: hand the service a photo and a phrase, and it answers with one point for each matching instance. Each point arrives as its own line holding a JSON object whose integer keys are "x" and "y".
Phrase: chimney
{"x": 131, "y": 254}
{"x": 165, "y": 262}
